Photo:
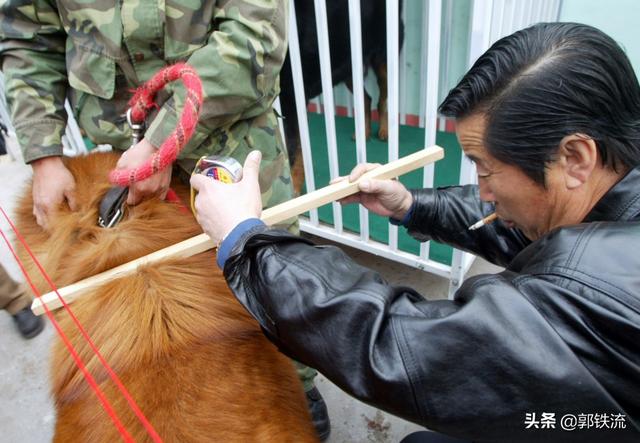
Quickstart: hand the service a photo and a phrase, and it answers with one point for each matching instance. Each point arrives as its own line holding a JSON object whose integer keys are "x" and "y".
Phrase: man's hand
{"x": 52, "y": 184}
{"x": 388, "y": 198}
{"x": 156, "y": 185}
{"x": 220, "y": 207}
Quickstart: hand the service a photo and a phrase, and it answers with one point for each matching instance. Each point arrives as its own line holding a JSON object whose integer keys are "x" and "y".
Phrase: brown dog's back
{"x": 194, "y": 361}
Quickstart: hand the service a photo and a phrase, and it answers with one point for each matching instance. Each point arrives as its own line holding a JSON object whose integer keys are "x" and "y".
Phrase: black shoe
{"x": 319, "y": 414}
{"x": 28, "y": 324}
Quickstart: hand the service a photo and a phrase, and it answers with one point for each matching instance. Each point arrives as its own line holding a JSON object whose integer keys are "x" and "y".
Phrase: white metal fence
{"x": 489, "y": 21}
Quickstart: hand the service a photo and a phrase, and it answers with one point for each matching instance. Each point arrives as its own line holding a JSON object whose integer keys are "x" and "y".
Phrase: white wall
{"x": 617, "y": 18}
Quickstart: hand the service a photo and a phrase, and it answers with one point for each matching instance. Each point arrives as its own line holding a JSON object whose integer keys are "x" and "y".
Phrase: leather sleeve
{"x": 445, "y": 215}
{"x": 468, "y": 367}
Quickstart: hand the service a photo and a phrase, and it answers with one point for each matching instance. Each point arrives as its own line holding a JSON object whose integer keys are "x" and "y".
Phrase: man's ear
{"x": 578, "y": 158}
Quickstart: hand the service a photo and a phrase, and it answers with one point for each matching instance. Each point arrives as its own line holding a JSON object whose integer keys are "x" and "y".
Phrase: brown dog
{"x": 195, "y": 362}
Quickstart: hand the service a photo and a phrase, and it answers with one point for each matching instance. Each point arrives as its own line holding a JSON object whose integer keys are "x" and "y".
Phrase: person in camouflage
{"x": 94, "y": 53}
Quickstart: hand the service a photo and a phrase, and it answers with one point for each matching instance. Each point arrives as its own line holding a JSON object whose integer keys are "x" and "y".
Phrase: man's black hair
{"x": 548, "y": 81}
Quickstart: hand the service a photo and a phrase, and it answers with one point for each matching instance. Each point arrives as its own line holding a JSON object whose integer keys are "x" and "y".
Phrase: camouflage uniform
{"x": 96, "y": 52}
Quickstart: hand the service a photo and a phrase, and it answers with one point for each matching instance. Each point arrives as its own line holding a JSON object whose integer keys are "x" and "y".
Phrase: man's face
{"x": 520, "y": 202}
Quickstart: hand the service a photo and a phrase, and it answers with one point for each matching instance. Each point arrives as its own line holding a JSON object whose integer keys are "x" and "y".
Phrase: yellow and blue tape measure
{"x": 224, "y": 169}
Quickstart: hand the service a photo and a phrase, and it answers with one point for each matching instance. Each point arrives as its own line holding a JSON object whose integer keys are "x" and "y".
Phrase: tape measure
{"x": 224, "y": 169}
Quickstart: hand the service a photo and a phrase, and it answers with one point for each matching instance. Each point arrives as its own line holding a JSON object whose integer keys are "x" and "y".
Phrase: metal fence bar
{"x": 480, "y": 27}
{"x": 557, "y": 10}
{"x": 75, "y": 141}
{"x": 510, "y": 19}
{"x": 537, "y": 12}
{"x": 520, "y": 11}
{"x": 481, "y": 24}
{"x": 496, "y": 20}
{"x": 433, "y": 14}
{"x": 446, "y": 50}
{"x": 529, "y": 13}
{"x": 301, "y": 106}
{"x": 327, "y": 95}
{"x": 548, "y": 10}
{"x": 357, "y": 71}
{"x": 377, "y": 248}
{"x": 392, "y": 96}
{"x": 403, "y": 73}
{"x": 424, "y": 42}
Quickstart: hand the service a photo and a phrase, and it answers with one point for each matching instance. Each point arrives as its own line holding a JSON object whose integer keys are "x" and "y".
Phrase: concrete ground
{"x": 27, "y": 413}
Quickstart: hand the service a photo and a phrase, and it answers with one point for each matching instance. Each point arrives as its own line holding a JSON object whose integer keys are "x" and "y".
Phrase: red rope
{"x": 143, "y": 100}
{"x": 105, "y": 403}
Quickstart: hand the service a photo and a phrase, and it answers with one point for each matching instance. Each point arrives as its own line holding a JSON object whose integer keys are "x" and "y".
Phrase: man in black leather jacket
{"x": 549, "y": 349}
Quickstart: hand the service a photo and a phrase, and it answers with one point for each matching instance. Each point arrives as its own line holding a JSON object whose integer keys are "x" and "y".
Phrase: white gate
{"x": 489, "y": 20}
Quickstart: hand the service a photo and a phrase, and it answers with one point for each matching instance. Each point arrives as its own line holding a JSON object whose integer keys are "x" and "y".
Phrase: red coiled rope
{"x": 143, "y": 100}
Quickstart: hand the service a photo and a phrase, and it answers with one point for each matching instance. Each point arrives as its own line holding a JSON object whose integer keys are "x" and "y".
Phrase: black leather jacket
{"x": 557, "y": 332}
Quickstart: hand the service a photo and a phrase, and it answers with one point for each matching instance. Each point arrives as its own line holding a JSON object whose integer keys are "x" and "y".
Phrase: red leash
{"x": 143, "y": 100}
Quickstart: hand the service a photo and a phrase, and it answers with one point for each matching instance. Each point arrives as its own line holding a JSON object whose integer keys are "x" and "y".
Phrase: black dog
{"x": 374, "y": 55}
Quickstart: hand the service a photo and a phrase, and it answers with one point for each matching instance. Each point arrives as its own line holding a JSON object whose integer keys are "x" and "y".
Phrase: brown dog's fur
{"x": 195, "y": 362}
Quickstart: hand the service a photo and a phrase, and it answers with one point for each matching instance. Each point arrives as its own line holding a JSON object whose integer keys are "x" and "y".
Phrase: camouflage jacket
{"x": 95, "y": 52}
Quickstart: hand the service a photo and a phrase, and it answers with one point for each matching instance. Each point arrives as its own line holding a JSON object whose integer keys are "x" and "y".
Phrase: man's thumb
{"x": 197, "y": 181}
{"x": 374, "y": 186}
{"x": 251, "y": 167}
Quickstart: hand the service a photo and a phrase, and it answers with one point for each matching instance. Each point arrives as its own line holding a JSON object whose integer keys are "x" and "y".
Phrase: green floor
{"x": 447, "y": 172}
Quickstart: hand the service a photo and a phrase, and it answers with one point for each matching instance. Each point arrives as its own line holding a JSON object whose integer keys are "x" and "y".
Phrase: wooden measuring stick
{"x": 271, "y": 216}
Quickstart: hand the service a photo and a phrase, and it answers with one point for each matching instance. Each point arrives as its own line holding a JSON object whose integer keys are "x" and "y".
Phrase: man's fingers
{"x": 338, "y": 179}
{"x": 251, "y": 169}
{"x": 353, "y": 198}
{"x": 133, "y": 198}
{"x": 39, "y": 220}
{"x": 197, "y": 181}
{"x": 138, "y": 192}
{"x": 357, "y": 172}
{"x": 373, "y": 186}
{"x": 362, "y": 168}
{"x": 41, "y": 216}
